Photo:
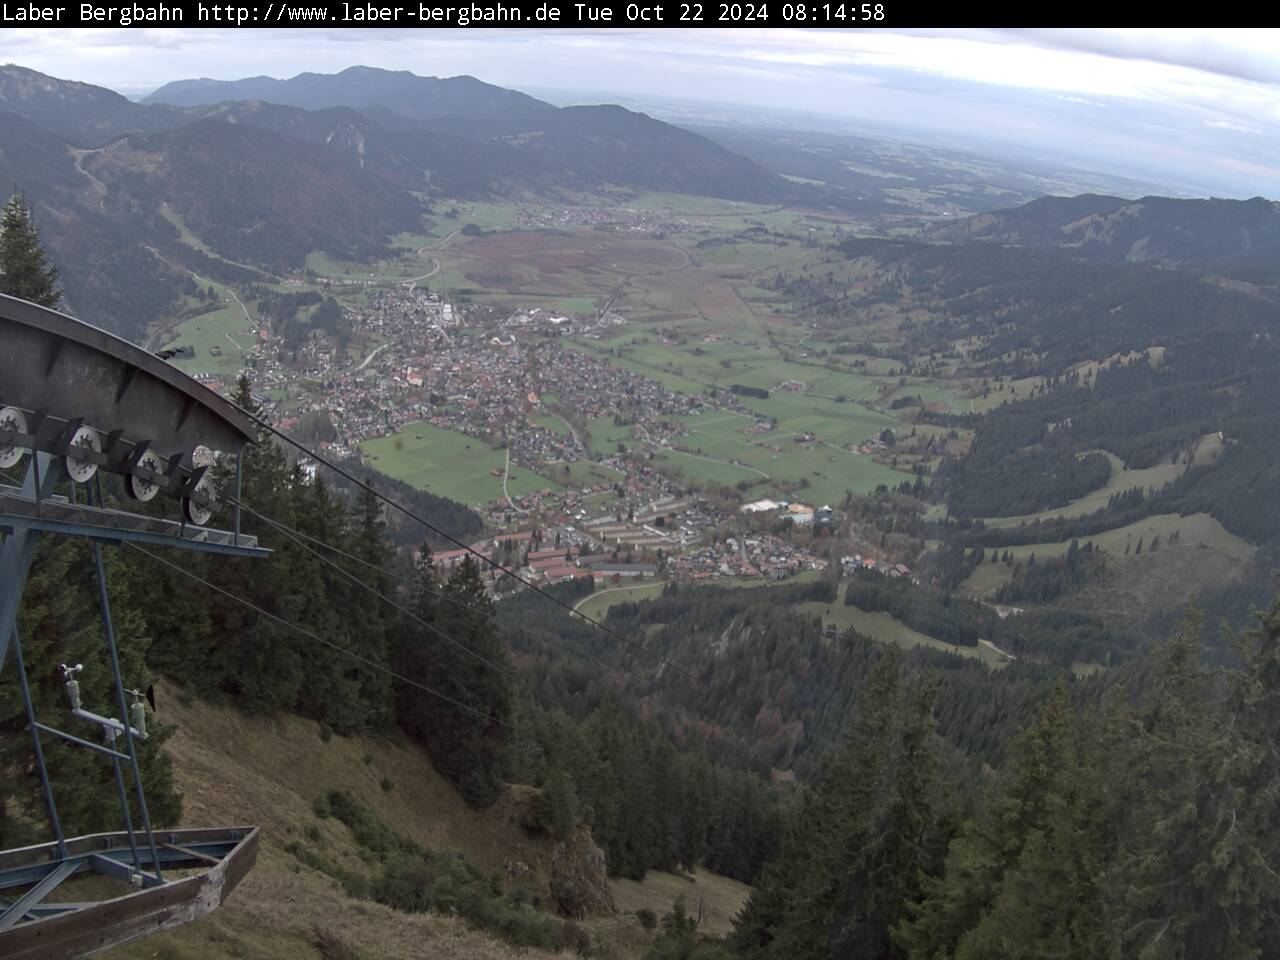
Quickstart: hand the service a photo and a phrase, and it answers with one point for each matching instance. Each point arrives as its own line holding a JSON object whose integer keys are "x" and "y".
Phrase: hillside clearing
{"x": 1205, "y": 450}
{"x": 233, "y": 768}
{"x": 1205, "y": 557}
{"x": 714, "y": 899}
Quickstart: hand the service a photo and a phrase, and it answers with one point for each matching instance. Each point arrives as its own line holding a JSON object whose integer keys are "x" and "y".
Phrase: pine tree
{"x": 370, "y": 544}
{"x": 557, "y": 805}
{"x": 1194, "y": 876}
{"x": 972, "y": 910}
{"x": 858, "y": 847}
{"x": 468, "y": 737}
{"x": 412, "y": 649}
{"x": 25, "y": 271}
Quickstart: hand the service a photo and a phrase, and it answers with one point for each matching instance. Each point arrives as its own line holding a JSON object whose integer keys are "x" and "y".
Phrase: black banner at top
{"x": 529, "y": 14}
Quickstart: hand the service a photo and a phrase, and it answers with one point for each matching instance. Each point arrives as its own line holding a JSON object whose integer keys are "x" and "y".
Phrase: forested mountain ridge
{"x": 255, "y": 195}
{"x": 96, "y": 165}
{"x": 1213, "y": 234}
{"x": 357, "y": 87}
{"x": 460, "y": 136}
{"x": 84, "y": 114}
{"x": 102, "y": 244}
{"x": 1133, "y": 359}
{"x": 588, "y": 146}
{"x": 753, "y": 678}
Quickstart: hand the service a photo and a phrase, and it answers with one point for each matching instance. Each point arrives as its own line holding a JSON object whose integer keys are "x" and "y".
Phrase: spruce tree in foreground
{"x": 856, "y": 852}
{"x": 25, "y": 270}
{"x": 467, "y": 735}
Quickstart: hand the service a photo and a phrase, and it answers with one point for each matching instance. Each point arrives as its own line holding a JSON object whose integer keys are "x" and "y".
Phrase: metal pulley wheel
{"x": 11, "y": 418}
{"x": 198, "y": 513}
{"x": 85, "y": 438}
{"x": 138, "y": 488}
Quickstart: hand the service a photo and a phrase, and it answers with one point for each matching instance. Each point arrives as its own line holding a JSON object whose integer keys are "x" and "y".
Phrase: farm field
{"x": 488, "y": 216}
{"x": 224, "y": 329}
{"x": 450, "y": 464}
{"x": 585, "y": 473}
{"x": 605, "y": 435}
{"x": 820, "y": 471}
{"x": 522, "y": 266}
{"x": 751, "y": 360}
{"x": 550, "y": 422}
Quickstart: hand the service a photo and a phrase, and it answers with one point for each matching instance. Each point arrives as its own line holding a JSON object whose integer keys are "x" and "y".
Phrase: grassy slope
{"x": 235, "y": 769}
{"x": 238, "y": 769}
{"x": 887, "y": 629}
{"x": 716, "y": 899}
{"x": 875, "y": 624}
{"x": 1206, "y": 555}
{"x": 598, "y": 604}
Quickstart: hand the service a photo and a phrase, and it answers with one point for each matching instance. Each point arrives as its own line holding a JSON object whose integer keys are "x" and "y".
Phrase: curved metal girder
{"x": 71, "y": 369}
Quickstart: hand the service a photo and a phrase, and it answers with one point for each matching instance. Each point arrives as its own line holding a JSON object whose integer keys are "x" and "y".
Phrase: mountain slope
{"x": 597, "y": 145}
{"x": 82, "y": 113}
{"x": 254, "y": 195}
{"x": 1202, "y": 233}
{"x": 357, "y": 87}
{"x": 235, "y": 769}
{"x": 473, "y": 136}
{"x": 100, "y": 240}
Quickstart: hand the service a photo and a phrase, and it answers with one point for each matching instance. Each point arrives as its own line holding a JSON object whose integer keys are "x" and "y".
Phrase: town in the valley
{"x": 516, "y": 382}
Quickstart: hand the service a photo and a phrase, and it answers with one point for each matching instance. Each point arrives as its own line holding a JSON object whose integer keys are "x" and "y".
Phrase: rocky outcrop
{"x": 579, "y": 882}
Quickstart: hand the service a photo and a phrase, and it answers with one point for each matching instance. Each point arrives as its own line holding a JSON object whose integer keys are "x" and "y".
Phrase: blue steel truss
{"x": 135, "y": 856}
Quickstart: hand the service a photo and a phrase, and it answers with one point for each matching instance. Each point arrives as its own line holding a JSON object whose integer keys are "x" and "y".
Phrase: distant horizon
{"x": 1200, "y": 109}
{"x": 837, "y": 123}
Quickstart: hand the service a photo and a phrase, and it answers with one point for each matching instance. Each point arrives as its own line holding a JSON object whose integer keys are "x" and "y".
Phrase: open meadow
{"x": 449, "y": 464}
{"x": 726, "y": 448}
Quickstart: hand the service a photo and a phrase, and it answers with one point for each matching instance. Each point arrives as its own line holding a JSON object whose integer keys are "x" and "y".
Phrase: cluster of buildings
{"x": 763, "y": 555}
{"x": 800, "y": 513}
{"x": 851, "y": 565}
{"x": 619, "y": 219}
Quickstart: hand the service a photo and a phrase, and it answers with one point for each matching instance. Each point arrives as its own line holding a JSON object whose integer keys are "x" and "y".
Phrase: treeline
{"x": 451, "y": 518}
{"x": 1058, "y": 637}
{"x": 1122, "y": 509}
{"x": 947, "y": 618}
{"x": 751, "y": 678}
{"x": 650, "y": 806}
{"x": 743, "y": 390}
{"x": 1017, "y": 466}
{"x": 1048, "y": 579}
{"x": 282, "y": 311}
{"x": 1128, "y": 827}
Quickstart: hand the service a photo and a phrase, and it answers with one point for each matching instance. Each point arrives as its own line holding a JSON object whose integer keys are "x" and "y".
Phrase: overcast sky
{"x": 1198, "y": 109}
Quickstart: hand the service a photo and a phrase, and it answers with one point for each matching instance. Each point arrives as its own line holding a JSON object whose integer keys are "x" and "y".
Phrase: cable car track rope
{"x": 350, "y": 478}
{"x": 351, "y": 654}
{"x": 299, "y": 537}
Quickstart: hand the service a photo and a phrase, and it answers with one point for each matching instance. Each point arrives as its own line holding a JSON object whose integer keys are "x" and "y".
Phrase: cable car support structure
{"x": 77, "y": 403}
